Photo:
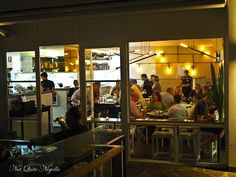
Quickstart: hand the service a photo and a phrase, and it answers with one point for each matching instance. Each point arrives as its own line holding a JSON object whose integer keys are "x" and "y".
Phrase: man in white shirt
{"x": 167, "y": 97}
{"x": 178, "y": 110}
{"x": 75, "y": 98}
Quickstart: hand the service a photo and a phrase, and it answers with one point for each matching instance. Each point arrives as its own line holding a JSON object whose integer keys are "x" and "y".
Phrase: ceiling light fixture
{"x": 2, "y": 32}
{"x": 196, "y": 50}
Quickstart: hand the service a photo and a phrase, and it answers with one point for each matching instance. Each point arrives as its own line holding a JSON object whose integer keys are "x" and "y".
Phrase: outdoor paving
{"x": 138, "y": 169}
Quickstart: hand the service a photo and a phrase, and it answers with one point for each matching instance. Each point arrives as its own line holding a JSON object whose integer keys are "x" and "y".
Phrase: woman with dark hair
{"x": 156, "y": 102}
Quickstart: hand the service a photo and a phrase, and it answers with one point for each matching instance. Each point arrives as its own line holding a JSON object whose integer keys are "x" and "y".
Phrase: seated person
{"x": 115, "y": 90}
{"x": 204, "y": 111}
{"x": 96, "y": 91}
{"x": 196, "y": 99}
{"x": 178, "y": 110}
{"x": 167, "y": 97}
{"x": 71, "y": 127}
{"x": 177, "y": 91}
{"x": 203, "y": 107}
{"x": 156, "y": 103}
{"x": 197, "y": 91}
{"x": 134, "y": 111}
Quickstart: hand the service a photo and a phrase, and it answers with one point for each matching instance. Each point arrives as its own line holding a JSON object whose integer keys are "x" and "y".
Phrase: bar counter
{"x": 177, "y": 122}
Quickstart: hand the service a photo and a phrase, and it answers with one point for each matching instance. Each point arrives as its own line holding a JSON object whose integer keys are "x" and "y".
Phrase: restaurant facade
{"x": 122, "y": 31}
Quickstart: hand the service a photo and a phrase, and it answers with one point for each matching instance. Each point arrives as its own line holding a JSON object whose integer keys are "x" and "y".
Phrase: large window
{"x": 22, "y": 100}
{"x": 103, "y": 84}
{"x": 160, "y": 67}
{"x": 61, "y": 63}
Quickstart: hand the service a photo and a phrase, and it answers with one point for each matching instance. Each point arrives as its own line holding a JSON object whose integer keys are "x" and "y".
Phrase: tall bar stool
{"x": 158, "y": 139}
{"x": 141, "y": 130}
{"x": 188, "y": 143}
{"x": 212, "y": 150}
{"x": 132, "y": 133}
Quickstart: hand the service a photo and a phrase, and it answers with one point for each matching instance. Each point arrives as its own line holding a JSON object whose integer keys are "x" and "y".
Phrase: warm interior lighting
{"x": 163, "y": 59}
{"x": 187, "y": 67}
{"x": 168, "y": 70}
{"x": 207, "y": 52}
{"x": 77, "y": 62}
{"x": 183, "y": 45}
{"x": 151, "y": 52}
{"x": 158, "y": 53}
{"x": 66, "y": 68}
{"x": 71, "y": 64}
{"x": 193, "y": 72}
{"x": 202, "y": 48}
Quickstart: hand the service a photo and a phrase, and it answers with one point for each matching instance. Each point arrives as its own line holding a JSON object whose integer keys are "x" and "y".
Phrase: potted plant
{"x": 218, "y": 90}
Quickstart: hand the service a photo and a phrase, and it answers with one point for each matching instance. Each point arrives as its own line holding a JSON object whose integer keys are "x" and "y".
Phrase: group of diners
{"x": 181, "y": 102}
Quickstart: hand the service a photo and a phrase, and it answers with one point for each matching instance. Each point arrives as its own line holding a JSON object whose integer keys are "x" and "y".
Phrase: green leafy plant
{"x": 218, "y": 90}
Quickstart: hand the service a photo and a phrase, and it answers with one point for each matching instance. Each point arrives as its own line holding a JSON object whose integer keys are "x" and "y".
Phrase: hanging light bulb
{"x": 77, "y": 62}
{"x": 162, "y": 58}
{"x": 202, "y": 48}
{"x": 193, "y": 72}
{"x": 66, "y": 68}
{"x": 168, "y": 70}
{"x": 183, "y": 45}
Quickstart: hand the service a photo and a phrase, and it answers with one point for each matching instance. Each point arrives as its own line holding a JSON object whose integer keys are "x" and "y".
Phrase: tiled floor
{"x": 137, "y": 169}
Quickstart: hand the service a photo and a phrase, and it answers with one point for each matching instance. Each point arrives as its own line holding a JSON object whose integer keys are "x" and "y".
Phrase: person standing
{"x": 75, "y": 98}
{"x": 46, "y": 84}
{"x": 73, "y": 89}
{"x": 156, "y": 87}
{"x": 186, "y": 82}
{"x": 147, "y": 86}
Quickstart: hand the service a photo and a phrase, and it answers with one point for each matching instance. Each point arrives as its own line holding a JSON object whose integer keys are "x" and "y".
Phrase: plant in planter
{"x": 218, "y": 90}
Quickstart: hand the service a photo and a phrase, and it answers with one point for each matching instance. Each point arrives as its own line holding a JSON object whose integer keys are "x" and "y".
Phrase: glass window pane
{"x": 102, "y": 64}
{"x": 103, "y": 85}
{"x": 22, "y": 99}
{"x": 61, "y": 63}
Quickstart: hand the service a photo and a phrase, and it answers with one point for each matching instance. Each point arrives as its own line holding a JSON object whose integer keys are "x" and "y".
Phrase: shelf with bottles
{"x": 52, "y": 64}
{"x": 98, "y": 66}
{"x": 98, "y": 56}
